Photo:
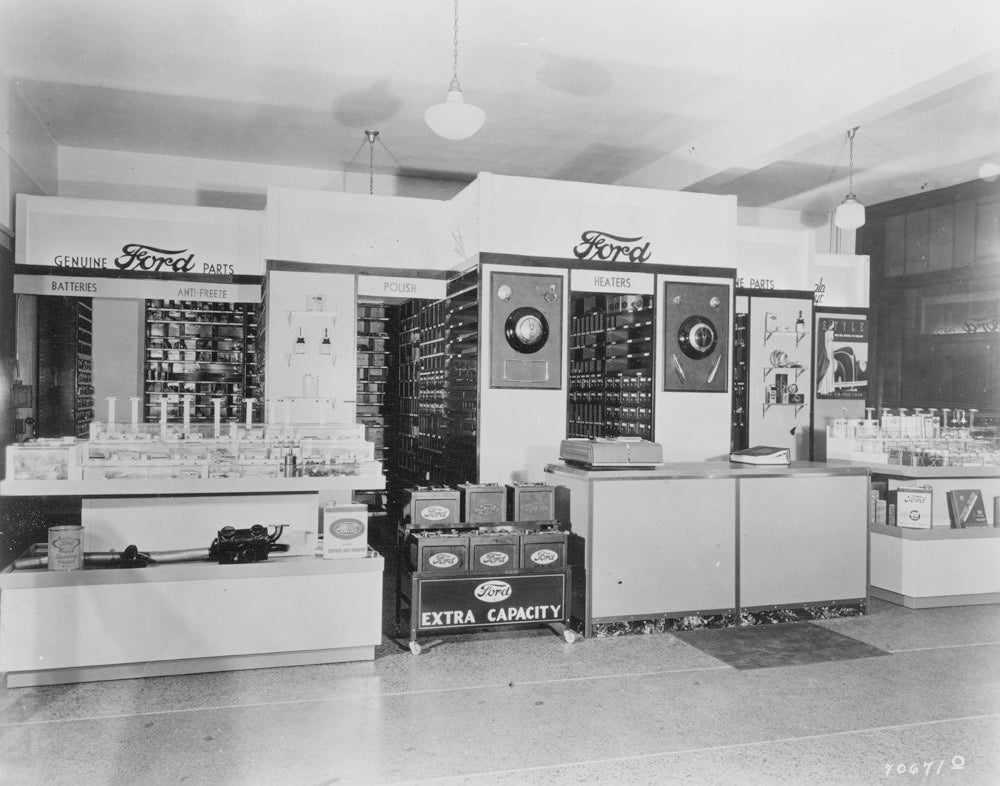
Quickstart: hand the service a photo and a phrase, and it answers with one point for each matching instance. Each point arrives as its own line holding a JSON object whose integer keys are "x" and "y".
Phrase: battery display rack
{"x": 203, "y": 350}
{"x": 375, "y": 409}
{"x": 65, "y": 366}
{"x": 611, "y": 366}
{"x": 437, "y": 377}
{"x": 739, "y": 437}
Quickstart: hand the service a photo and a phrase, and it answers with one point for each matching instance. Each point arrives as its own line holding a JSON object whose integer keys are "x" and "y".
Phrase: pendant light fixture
{"x": 371, "y": 136}
{"x": 455, "y": 119}
{"x": 850, "y": 213}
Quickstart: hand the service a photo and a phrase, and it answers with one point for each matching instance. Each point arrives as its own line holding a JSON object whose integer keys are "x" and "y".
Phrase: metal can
{"x": 66, "y": 547}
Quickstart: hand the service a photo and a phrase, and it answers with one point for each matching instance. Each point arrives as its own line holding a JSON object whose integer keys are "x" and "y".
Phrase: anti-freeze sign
{"x": 500, "y": 600}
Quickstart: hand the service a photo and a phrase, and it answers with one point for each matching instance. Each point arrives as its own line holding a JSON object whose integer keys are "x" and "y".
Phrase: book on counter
{"x": 966, "y": 508}
{"x": 762, "y": 454}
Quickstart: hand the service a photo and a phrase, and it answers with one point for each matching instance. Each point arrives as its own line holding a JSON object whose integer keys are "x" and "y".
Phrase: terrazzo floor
{"x": 907, "y": 697}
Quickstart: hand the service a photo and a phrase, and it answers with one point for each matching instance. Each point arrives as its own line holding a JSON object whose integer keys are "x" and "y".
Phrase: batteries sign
{"x": 489, "y": 601}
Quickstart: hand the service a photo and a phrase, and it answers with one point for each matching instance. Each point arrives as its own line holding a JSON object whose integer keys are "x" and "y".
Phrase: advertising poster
{"x": 841, "y": 356}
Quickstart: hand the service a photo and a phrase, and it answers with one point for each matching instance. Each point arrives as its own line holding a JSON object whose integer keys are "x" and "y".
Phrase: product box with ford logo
{"x": 499, "y": 551}
{"x": 913, "y": 506}
{"x": 543, "y": 549}
{"x": 345, "y": 531}
{"x": 483, "y": 503}
{"x": 437, "y": 552}
{"x": 433, "y": 506}
{"x": 531, "y": 502}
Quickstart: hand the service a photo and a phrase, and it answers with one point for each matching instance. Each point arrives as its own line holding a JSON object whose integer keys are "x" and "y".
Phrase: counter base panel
{"x": 725, "y": 618}
{"x": 936, "y": 601}
{"x": 215, "y": 614}
{"x": 127, "y": 671}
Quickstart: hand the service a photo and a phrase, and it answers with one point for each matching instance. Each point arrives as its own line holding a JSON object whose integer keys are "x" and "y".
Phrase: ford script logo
{"x": 494, "y": 559}
{"x": 486, "y": 509}
{"x": 443, "y": 559}
{"x": 544, "y": 557}
{"x": 347, "y": 529}
{"x": 435, "y": 513}
{"x": 493, "y": 591}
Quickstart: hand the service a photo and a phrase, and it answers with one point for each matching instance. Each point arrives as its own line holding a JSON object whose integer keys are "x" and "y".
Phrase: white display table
{"x": 110, "y": 623}
{"x": 714, "y": 544}
{"x": 940, "y": 566}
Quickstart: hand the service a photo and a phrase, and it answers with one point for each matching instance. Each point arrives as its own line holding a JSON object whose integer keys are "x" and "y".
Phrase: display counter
{"x": 714, "y": 544}
{"x": 95, "y": 624}
{"x": 115, "y": 623}
{"x": 941, "y": 566}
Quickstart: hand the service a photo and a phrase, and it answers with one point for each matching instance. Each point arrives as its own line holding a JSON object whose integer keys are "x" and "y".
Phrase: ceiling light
{"x": 850, "y": 213}
{"x": 455, "y": 119}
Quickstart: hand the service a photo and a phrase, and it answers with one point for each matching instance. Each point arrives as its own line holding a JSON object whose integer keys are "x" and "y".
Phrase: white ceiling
{"x": 717, "y": 96}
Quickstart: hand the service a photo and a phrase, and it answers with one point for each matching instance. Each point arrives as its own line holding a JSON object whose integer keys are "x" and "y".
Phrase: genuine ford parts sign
{"x": 482, "y": 602}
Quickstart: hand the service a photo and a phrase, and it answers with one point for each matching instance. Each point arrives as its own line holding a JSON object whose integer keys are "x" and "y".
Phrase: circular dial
{"x": 697, "y": 337}
{"x": 504, "y": 292}
{"x": 526, "y": 329}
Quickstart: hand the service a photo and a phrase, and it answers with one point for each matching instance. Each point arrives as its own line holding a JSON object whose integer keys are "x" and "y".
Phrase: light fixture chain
{"x": 371, "y": 166}
{"x": 850, "y": 166}
{"x": 454, "y": 55}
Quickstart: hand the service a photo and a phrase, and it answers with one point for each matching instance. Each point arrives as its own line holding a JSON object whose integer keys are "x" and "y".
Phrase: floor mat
{"x": 788, "y": 644}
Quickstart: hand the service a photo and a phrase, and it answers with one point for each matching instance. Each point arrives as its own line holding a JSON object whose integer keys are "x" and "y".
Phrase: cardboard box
{"x": 914, "y": 505}
{"x": 345, "y": 531}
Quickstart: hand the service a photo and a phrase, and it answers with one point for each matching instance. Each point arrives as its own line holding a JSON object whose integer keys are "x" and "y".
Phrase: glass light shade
{"x": 454, "y": 119}
{"x": 850, "y": 213}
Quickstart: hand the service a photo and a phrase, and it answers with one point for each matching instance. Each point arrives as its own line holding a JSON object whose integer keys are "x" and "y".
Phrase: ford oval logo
{"x": 66, "y": 544}
{"x": 493, "y": 591}
{"x": 435, "y": 513}
{"x": 494, "y": 559}
{"x": 443, "y": 559}
{"x": 544, "y": 557}
{"x": 347, "y": 529}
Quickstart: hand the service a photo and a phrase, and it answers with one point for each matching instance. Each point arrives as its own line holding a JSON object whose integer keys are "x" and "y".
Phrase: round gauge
{"x": 504, "y": 292}
{"x": 526, "y": 329}
{"x": 697, "y": 337}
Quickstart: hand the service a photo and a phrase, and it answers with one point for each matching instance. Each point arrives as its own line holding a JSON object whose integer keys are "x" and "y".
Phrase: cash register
{"x": 611, "y": 452}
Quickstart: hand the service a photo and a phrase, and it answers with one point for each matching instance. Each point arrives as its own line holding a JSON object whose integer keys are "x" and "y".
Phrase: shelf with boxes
{"x": 475, "y": 556}
{"x": 201, "y": 349}
{"x": 611, "y": 366}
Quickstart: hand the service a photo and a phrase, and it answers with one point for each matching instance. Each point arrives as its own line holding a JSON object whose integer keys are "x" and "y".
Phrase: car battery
{"x": 542, "y": 549}
{"x": 531, "y": 502}
{"x": 484, "y": 503}
{"x": 433, "y": 505}
{"x": 439, "y": 552}
{"x": 492, "y": 550}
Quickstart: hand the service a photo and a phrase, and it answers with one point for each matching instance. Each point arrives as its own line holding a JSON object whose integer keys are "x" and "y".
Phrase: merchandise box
{"x": 531, "y": 502}
{"x": 543, "y": 549}
{"x": 345, "y": 531}
{"x": 484, "y": 503}
{"x": 491, "y": 550}
{"x": 437, "y": 552}
{"x": 914, "y": 506}
{"x": 433, "y": 505}
{"x": 45, "y": 459}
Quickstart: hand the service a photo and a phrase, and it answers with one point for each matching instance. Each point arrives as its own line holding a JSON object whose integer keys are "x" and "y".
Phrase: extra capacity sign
{"x": 487, "y": 601}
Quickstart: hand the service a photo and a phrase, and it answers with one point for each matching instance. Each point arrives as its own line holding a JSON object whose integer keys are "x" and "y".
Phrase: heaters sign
{"x": 477, "y": 602}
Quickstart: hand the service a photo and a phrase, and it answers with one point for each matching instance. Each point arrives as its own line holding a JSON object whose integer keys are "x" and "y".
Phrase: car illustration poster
{"x": 841, "y": 356}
